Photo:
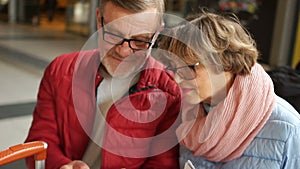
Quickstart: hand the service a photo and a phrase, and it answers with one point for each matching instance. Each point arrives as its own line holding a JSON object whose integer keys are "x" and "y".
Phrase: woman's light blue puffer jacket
{"x": 277, "y": 145}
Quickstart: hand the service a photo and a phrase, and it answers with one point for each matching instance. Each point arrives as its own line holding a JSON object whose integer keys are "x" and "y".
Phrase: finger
{"x": 80, "y": 165}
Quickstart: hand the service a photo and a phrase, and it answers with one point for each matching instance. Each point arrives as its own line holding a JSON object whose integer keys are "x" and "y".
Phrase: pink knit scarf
{"x": 227, "y": 130}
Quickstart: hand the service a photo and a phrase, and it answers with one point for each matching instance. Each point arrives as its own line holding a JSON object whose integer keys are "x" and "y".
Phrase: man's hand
{"x": 75, "y": 165}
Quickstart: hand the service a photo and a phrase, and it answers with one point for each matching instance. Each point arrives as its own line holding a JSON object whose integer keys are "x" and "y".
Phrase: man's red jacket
{"x": 65, "y": 110}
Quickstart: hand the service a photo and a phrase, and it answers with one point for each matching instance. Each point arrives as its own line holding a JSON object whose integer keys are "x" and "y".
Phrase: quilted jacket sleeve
{"x": 170, "y": 158}
{"x": 292, "y": 148}
{"x": 44, "y": 124}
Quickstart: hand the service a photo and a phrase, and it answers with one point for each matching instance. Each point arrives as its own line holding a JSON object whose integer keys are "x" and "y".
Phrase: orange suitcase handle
{"x": 16, "y": 152}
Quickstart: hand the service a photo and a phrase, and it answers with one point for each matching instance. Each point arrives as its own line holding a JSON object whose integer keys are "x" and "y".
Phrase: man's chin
{"x": 124, "y": 69}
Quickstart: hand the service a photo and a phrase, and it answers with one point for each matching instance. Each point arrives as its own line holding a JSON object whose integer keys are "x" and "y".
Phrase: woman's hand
{"x": 75, "y": 165}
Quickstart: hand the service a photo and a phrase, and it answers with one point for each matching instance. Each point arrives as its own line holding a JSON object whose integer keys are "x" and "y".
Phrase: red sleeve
{"x": 44, "y": 124}
{"x": 161, "y": 151}
{"x": 170, "y": 158}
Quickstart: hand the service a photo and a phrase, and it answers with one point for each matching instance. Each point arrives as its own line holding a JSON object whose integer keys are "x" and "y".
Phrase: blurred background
{"x": 34, "y": 32}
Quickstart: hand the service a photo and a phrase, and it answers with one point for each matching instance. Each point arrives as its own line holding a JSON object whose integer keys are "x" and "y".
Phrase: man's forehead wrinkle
{"x": 130, "y": 27}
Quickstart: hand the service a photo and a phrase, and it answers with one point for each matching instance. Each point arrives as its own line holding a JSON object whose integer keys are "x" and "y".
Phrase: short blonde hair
{"x": 220, "y": 40}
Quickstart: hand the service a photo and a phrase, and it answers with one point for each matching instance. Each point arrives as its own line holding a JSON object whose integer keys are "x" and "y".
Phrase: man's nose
{"x": 124, "y": 50}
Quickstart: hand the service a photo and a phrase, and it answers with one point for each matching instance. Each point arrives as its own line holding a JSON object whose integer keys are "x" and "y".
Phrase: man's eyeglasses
{"x": 134, "y": 44}
{"x": 185, "y": 72}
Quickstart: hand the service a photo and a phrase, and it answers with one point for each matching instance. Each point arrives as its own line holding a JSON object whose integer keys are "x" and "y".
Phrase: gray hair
{"x": 136, "y": 5}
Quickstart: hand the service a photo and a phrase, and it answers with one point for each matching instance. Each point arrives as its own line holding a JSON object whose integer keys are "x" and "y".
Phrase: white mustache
{"x": 132, "y": 57}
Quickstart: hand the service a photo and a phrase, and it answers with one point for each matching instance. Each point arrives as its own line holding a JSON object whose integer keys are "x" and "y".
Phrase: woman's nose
{"x": 177, "y": 78}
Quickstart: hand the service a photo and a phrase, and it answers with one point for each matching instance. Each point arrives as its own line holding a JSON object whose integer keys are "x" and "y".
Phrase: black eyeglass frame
{"x": 129, "y": 41}
{"x": 181, "y": 75}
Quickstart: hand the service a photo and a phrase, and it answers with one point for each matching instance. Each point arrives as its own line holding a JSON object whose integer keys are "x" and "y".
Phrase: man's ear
{"x": 159, "y": 30}
{"x": 162, "y": 26}
{"x": 98, "y": 18}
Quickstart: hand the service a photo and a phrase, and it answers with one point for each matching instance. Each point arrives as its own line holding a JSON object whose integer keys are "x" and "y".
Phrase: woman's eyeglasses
{"x": 134, "y": 44}
{"x": 187, "y": 72}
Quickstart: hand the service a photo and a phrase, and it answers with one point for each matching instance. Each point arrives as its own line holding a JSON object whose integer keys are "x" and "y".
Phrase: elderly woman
{"x": 231, "y": 117}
